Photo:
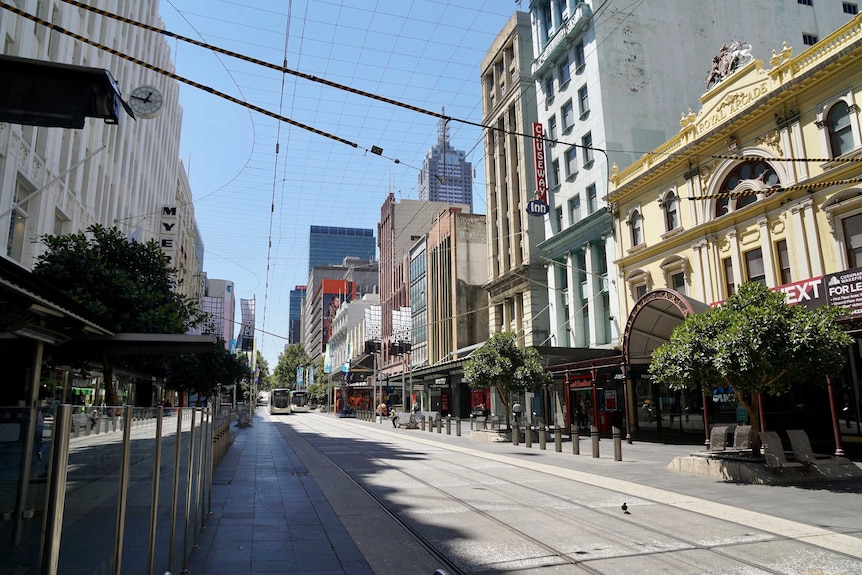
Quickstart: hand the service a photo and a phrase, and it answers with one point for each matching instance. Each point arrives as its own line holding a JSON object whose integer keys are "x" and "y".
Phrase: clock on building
{"x": 146, "y": 101}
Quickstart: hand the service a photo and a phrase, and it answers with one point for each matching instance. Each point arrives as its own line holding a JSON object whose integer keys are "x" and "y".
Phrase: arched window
{"x": 753, "y": 177}
{"x": 636, "y": 222}
{"x": 671, "y": 211}
{"x": 840, "y": 130}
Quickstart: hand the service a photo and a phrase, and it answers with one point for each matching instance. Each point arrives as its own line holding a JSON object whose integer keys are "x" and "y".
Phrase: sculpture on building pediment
{"x": 727, "y": 61}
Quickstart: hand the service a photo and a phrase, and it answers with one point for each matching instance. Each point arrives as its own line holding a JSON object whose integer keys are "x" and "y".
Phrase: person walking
{"x": 393, "y": 415}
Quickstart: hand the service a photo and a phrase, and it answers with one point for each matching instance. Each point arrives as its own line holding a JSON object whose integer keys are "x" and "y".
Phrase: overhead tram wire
{"x": 284, "y": 69}
{"x": 374, "y": 150}
{"x": 275, "y": 178}
{"x": 176, "y": 77}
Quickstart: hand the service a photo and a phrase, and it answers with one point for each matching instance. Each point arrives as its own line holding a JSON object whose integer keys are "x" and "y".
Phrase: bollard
{"x": 458, "y": 426}
{"x": 515, "y": 432}
{"x": 618, "y": 445}
{"x": 528, "y": 436}
{"x": 430, "y": 424}
{"x": 422, "y": 422}
{"x": 576, "y": 440}
{"x": 543, "y": 437}
{"x": 448, "y": 425}
{"x": 594, "y": 435}
{"x": 558, "y": 439}
{"x": 440, "y": 424}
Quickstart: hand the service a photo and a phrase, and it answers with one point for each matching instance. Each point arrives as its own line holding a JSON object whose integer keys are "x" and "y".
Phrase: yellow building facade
{"x": 763, "y": 184}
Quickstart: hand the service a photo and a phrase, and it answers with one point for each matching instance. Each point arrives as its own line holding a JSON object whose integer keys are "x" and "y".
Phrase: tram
{"x": 279, "y": 401}
{"x": 299, "y": 402}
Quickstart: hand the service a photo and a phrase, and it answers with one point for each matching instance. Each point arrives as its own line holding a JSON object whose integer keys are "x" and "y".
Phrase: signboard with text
{"x": 844, "y": 289}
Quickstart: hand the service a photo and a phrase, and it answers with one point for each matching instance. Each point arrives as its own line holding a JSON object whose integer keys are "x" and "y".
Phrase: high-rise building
{"x": 297, "y": 297}
{"x": 517, "y": 276}
{"x": 328, "y": 245}
{"x": 446, "y": 175}
{"x": 401, "y": 224}
{"x": 611, "y": 81}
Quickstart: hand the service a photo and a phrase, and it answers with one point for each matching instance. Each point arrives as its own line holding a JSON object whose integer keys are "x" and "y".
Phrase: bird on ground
{"x": 625, "y": 509}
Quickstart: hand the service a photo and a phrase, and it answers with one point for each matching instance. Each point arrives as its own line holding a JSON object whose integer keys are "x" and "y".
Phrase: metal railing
{"x": 102, "y": 494}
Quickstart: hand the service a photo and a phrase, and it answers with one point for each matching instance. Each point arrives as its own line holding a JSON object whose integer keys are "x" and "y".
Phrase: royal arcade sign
{"x": 539, "y": 206}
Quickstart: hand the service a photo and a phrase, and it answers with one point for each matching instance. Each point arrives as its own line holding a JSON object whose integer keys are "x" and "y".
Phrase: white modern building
{"x": 613, "y": 77}
{"x": 60, "y": 180}
{"x": 218, "y": 302}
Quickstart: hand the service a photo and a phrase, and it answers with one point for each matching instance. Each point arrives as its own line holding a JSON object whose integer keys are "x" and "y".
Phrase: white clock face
{"x": 146, "y": 101}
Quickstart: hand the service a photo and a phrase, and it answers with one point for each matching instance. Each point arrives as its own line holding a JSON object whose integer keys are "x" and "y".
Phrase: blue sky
{"x": 254, "y": 206}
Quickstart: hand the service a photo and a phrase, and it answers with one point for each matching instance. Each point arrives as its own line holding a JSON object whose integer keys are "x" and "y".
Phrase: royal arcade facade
{"x": 763, "y": 184}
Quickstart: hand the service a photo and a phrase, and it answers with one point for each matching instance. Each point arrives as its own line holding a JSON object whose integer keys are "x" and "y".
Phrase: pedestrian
{"x": 393, "y": 415}
{"x": 516, "y": 411}
{"x": 417, "y": 408}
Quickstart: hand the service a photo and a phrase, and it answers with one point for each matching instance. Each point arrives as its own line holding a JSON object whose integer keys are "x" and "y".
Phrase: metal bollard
{"x": 558, "y": 439}
{"x": 448, "y": 425}
{"x": 594, "y": 435}
{"x": 576, "y": 440}
{"x": 458, "y": 426}
{"x": 440, "y": 424}
{"x": 543, "y": 437}
{"x": 431, "y": 424}
{"x": 528, "y": 436}
{"x": 618, "y": 444}
{"x": 515, "y": 432}
{"x": 422, "y": 422}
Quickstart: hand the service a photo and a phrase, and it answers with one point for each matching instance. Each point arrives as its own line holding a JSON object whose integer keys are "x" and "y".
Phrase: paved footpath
{"x": 277, "y": 509}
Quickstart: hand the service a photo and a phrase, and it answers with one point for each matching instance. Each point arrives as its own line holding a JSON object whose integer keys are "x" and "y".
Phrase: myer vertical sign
{"x": 168, "y": 232}
{"x": 539, "y": 206}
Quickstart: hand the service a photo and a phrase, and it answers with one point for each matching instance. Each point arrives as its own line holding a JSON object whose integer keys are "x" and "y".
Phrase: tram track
{"x": 556, "y": 556}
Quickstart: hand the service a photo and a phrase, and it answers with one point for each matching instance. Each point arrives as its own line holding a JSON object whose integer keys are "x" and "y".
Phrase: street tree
{"x": 204, "y": 373}
{"x": 284, "y": 374}
{"x": 129, "y": 285}
{"x": 263, "y": 375}
{"x": 509, "y": 369}
{"x": 755, "y": 343}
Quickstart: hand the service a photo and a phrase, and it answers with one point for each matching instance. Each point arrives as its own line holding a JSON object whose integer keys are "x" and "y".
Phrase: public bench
{"x": 405, "y": 419}
{"x": 773, "y": 452}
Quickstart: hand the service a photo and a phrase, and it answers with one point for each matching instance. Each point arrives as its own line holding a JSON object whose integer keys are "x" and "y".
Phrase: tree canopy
{"x": 502, "y": 365}
{"x": 755, "y": 343}
{"x": 204, "y": 373}
{"x": 129, "y": 285}
{"x": 284, "y": 374}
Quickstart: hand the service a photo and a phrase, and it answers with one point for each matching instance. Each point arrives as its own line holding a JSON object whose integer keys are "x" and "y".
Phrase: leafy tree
{"x": 292, "y": 357}
{"x": 263, "y": 378}
{"x": 755, "y": 343}
{"x": 204, "y": 373}
{"x": 129, "y": 285}
{"x": 317, "y": 393}
{"x": 509, "y": 369}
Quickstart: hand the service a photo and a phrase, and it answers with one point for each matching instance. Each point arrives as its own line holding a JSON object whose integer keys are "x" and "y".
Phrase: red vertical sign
{"x": 541, "y": 167}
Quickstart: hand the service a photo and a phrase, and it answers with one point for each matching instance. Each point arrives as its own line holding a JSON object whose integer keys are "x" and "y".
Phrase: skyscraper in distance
{"x": 446, "y": 175}
{"x": 297, "y": 296}
{"x": 328, "y": 245}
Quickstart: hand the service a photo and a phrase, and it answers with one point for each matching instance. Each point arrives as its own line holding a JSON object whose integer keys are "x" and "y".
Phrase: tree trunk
{"x": 504, "y": 396}
{"x": 752, "y": 407}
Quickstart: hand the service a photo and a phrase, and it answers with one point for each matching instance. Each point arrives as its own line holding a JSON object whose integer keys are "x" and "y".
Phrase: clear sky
{"x": 258, "y": 184}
